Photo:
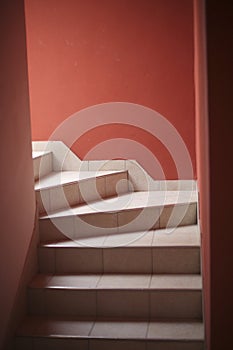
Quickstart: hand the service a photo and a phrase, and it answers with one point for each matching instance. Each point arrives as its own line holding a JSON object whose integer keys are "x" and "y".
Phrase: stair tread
{"x": 183, "y": 236}
{"x": 37, "y": 154}
{"x": 117, "y": 282}
{"x": 55, "y": 179}
{"x": 38, "y": 326}
{"x": 129, "y": 201}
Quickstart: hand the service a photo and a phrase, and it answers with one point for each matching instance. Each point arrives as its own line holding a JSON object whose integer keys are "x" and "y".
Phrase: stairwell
{"x": 118, "y": 268}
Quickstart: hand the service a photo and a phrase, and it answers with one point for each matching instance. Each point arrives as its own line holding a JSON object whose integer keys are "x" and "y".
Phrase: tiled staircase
{"x": 114, "y": 270}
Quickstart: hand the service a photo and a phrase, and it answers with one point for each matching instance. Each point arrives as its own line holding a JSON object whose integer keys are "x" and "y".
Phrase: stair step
{"x": 174, "y": 251}
{"x": 61, "y": 333}
{"x": 134, "y": 296}
{"x": 42, "y": 164}
{"x": 134, "y": 211}
{"x": 60, "y": 190}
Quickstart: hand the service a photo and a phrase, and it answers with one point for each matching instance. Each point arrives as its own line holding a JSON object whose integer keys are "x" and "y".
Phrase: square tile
{"x": 181, "y": 281}
{"x": 72, "y": 194}
{"x": 124, "y": 281}
{"x": 176, "y": 330}
{"x": 128, "y": 239}
{"x": 60, "y": 325}
{"x": 58, "y": 229}
{"x": 143, "y": 240}
{"x": 177, "y": 185}
{"x": 177, "y": 236}
{"x": 79, "y": 260}
{"x": 127, "y": 260}
{"x": 74, "y": 281}
{"x": 101, "y": 165}
{"x": 116, "y": 184}
{"x": 137, "y": 176}
{"x": 95, "y": 224}
{"x": 176, "y": 304}
{"x": 58, "y": 199}
{"x": 92, "y": 242}
{"x": 120, "y": 330}
{"x": 122, "y": 303}
{"x": 70, "y": 161}
{"x": 70, "y": 302}
{"x": 92, "y": 189}
{"x": 45, "y": 164}
{"x": 178, "y": 215}
{"x": 176, "y": 260}
{"x": 138, "y": 219}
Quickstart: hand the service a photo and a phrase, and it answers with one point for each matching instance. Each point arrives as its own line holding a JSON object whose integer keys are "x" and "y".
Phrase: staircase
{"x": 118, "y": 269}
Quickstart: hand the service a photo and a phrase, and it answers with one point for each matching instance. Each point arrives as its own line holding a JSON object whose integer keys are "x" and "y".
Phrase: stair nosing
{"x": 113, "y": 172}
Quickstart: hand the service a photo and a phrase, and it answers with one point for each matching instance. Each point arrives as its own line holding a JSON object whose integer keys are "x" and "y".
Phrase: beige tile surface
{"x": 176, "y": 330}
{"x": 178, "y": 236}
{"x": 103, "y": 165}
{"x": 70, "y": 302}
{"x": 93, "y": 189}
{"x": 133, "y": 200}
{"x": 176, "y": 304}
{"x": 124, "y": 281}
{"x": 138, "y": 219}
{"x": 95, "y": 225}
{"x": 127, "y": 260}
{"x": 176, "y": 282}
{"x": 176, "y": 260}
{"x": 73, "y": 281}
{"x": 116, "y": 184}
{"x": 79, "y": 260}
{"x": 179, "y": 215}
{"x": 59, "y": 228}
{"x": 116, "y": 303}
{"x": 56, "y": 325}
{"x": 140, "y": 238}
{"x": 124, "y": 330}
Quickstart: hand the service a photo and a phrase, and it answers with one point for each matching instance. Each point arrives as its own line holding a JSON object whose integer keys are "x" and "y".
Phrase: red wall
{"x": 17, "y": 208}
{"x": 83, "y": 53}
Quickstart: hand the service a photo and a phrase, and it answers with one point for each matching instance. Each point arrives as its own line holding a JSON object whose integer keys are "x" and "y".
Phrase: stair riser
{"x": 103, "y": 223}
{"x": 175, "y": 260}
{"x": 36, "y": 343}
{"x": 83, "y": 191}
{"x": 42, "y": 165}
{"x": 136, "y": 304}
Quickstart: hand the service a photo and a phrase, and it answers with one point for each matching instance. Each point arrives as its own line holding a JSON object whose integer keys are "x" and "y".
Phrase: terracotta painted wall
{"x": 17, "y": 206}
{"x": 83, "y": 53}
